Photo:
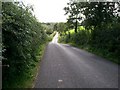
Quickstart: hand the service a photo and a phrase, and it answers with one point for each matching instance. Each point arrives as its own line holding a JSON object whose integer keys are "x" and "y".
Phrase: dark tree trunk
{"x": 76, "y": 26}
{"x": 69, "y": 35}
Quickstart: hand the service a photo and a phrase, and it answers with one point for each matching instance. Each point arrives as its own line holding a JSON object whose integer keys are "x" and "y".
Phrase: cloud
{"x": 48, "y": 10}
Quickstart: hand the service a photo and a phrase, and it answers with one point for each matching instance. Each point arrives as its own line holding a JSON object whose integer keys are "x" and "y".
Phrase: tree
{"x": 74, "y": 13}
{"x": 102, "y": 25}
{"x": 98, "y": 13}
{"x": 60, "y": 27}
{"x": 55, "y": 27}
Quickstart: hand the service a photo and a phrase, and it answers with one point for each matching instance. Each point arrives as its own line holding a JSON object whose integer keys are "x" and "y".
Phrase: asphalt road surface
{"x": 64, "y": 66}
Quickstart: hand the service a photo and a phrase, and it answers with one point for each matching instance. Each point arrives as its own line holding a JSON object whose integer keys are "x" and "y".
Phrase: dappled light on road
{"x": 65, "y": 66}
{"x": 55, "y": 38}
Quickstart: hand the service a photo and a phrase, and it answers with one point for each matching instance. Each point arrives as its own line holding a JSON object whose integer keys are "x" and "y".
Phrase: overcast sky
{"x": 48, "y": 10}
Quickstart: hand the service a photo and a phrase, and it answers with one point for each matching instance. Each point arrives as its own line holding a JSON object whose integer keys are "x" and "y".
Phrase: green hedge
{"x": 105, "y": 41}
{"x": 22, "y": 36}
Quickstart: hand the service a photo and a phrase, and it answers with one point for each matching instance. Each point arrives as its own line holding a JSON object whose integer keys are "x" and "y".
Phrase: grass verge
{"x": 29, "y": 83}
{"x": 103, "y": 53}
{"x": 27, "y": 80}
{"x": 100, "y": 52}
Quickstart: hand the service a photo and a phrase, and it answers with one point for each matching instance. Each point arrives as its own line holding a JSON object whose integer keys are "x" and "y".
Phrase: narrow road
{"x": 64, "y": 66}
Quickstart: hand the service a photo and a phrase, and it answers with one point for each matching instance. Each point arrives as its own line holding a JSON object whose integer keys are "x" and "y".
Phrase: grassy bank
{"x": 83, "y": 40}
{"x": 27, "y": 79}
{"x": 100, "y": 52}
{"x": 29, "y": 83}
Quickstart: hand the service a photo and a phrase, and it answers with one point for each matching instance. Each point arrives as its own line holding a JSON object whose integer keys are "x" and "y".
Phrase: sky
{"x": 48, "y": 10}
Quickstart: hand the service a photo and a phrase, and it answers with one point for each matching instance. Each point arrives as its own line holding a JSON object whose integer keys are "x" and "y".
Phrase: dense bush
{"x": 22, "y": 38}
{"x": 49, "y": 31}
{"x": 80, "y": 38}
{"x": 102, "y": 23}
{"x": 105, "y": 40}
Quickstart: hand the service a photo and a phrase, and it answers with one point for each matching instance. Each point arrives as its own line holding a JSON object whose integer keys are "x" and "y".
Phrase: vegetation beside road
{"x": 81, "y": 43}
{"x": 24, "y": 40}
{"x": 93, "y": 26}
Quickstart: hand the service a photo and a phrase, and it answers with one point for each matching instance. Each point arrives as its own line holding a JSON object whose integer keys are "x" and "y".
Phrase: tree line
{"x": 101, "y": 21}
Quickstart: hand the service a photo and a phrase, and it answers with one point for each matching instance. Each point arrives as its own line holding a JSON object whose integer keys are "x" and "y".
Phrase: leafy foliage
{"x": 22, "y": 37}
{"x": 102, "y": 26}
{"x": 74, "y": 13}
